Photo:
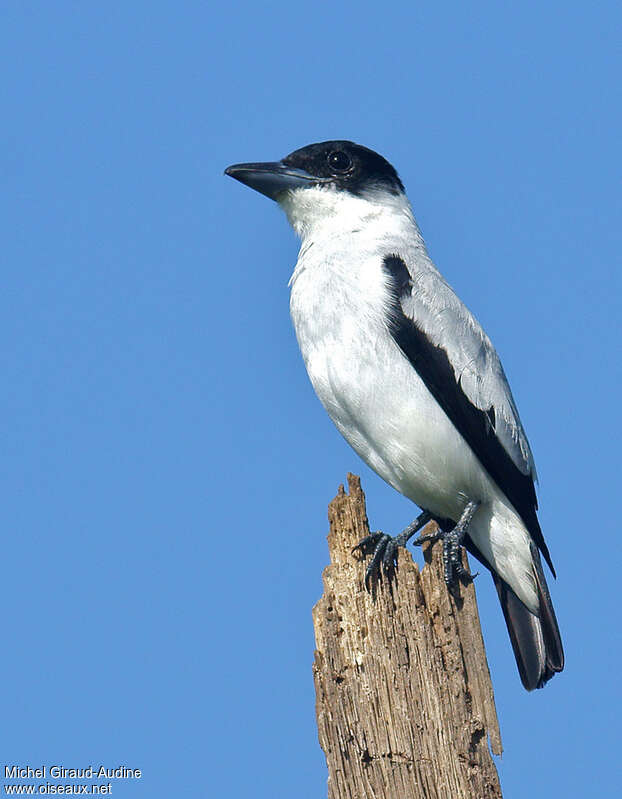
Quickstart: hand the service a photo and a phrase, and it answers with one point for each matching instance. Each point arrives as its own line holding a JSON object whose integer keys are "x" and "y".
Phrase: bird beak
{"x": 271, "y": 179}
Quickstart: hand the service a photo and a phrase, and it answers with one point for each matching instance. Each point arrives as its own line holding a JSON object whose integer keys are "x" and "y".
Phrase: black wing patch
{"x": 475, "y": 426}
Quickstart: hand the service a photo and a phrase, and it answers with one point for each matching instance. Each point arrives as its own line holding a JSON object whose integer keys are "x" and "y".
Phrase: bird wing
{"x": 459, "y": 365}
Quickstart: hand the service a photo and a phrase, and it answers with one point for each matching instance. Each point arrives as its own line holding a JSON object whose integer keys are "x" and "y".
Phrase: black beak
{"x": 271, "y": 179}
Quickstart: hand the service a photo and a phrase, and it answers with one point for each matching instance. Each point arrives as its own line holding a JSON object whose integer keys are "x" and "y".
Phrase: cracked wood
{"x": 404, "y": 702}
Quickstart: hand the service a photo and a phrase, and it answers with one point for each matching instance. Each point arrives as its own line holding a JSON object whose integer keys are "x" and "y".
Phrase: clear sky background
{"x": 165, "y": 464}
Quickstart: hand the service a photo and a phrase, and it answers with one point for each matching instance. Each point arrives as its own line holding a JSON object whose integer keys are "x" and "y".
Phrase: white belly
{"x": 384, "y": 410}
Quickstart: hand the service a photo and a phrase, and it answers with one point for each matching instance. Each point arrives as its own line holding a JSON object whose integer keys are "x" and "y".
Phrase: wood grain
{"x": 404, "y": 702}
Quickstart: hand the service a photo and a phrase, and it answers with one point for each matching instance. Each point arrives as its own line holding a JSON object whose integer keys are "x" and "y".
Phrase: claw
{"x": 368, "y": 544}
{"x": 374, "y": 568}
{"x": 383, "y": 549}
{"x": 452, "y": 543}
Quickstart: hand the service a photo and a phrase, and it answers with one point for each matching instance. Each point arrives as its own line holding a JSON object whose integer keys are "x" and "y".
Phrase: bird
{"x": 413, "y": 383}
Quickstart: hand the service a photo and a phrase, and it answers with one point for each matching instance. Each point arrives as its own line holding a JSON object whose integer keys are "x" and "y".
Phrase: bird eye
{"x": 339, "y": 161}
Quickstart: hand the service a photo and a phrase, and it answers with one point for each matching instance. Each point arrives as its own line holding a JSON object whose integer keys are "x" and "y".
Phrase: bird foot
{"x": 383, "y": 549}
{"x": 452, "y": 543}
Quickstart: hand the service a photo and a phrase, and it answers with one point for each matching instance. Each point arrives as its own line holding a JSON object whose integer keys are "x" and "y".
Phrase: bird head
{"x": 321, "y": 180}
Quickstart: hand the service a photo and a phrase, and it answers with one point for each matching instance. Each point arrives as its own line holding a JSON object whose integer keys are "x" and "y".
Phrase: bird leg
{"x": 452, "y": 541}
{"x": 383, "y": 548}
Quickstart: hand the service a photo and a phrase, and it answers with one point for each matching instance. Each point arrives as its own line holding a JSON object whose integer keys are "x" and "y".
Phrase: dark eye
{"x": 339, "y": 161}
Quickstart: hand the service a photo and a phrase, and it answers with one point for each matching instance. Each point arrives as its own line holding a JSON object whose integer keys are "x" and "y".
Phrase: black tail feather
{"x": 548, "y": 620}
{"x": 535, "y": 639}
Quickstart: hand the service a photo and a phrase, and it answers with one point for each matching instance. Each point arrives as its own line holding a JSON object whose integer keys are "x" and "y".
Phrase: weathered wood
{"x": 404, "y": 702}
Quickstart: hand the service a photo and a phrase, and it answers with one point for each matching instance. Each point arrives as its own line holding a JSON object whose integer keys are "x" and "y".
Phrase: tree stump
{"x": 404, "y": 701}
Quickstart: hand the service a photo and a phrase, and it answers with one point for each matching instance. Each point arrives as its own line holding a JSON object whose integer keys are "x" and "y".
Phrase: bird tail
{"x": 535, "y": 639}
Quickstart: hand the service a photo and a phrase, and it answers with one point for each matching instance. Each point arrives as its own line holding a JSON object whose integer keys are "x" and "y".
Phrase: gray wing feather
{"x": 433, "y": 304}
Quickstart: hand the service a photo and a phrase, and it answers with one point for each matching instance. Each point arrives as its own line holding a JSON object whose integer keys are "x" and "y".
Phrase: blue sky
{"x": 165, "y": 464}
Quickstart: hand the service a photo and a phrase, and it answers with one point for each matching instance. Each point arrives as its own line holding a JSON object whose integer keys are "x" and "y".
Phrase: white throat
{"x": 321, "y": 212}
